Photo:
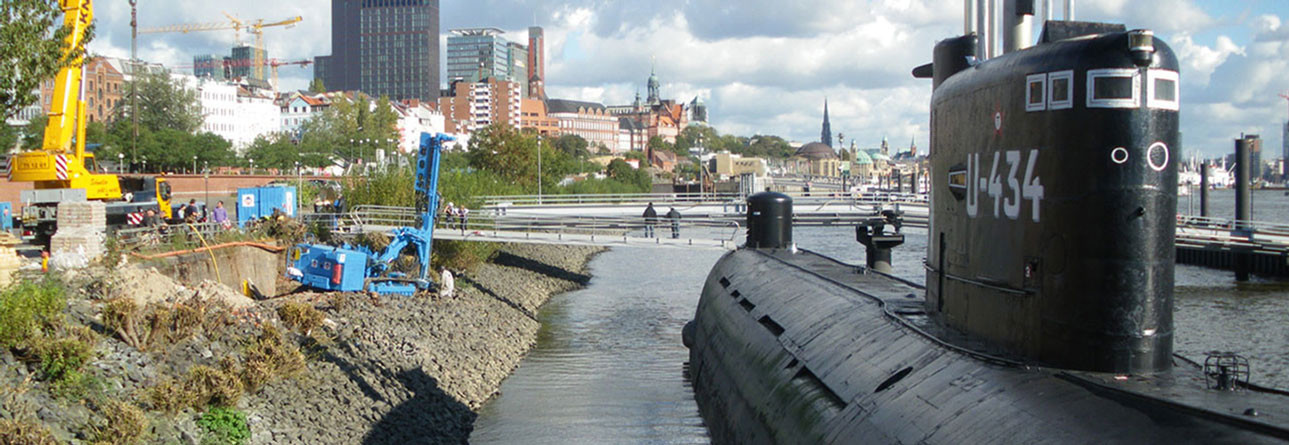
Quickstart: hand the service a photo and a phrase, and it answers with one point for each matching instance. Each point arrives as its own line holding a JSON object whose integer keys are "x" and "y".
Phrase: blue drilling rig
{"x": 355, "y": 268}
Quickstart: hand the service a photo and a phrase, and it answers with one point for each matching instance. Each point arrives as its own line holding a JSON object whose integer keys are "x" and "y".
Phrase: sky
{"x": 766, "y": 66}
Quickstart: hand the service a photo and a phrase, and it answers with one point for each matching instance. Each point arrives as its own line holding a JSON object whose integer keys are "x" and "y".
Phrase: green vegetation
{"x": 31, "y": 50}
{"x": 224, "y": 426}
{"x": 28, "y": 310}
{"x": 350, "y": 130}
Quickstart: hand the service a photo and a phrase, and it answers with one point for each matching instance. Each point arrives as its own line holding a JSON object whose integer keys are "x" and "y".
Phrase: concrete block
{"x": 82, "y": 214}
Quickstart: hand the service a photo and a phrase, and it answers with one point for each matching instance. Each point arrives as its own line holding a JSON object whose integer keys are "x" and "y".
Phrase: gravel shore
{"x": 396, "y": 370}
{"x": 416, "y": 370}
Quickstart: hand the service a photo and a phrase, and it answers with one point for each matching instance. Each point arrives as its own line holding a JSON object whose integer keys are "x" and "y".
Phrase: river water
{"x": 609, "y": 365}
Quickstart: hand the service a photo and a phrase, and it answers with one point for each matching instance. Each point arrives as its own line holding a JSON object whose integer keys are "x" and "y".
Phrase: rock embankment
{"x": 416, "y": 370}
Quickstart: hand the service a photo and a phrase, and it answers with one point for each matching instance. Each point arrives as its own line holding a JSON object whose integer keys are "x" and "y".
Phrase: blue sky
{"x": 765, "y": 66}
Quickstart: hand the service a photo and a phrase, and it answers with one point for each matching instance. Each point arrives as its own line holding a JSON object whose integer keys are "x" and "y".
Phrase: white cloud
{"x": 765, "y": 66}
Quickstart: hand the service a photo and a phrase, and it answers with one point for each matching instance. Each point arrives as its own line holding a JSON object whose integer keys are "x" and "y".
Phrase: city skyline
{"x": 741, "y": 60}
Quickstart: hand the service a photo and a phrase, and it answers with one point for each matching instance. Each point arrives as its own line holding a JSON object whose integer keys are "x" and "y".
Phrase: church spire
{"x": 655, "y": 87}
{"x": 826, "y": 136}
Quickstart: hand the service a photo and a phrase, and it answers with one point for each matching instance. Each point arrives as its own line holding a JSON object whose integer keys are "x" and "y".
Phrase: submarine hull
{"x": 794, "y": 347}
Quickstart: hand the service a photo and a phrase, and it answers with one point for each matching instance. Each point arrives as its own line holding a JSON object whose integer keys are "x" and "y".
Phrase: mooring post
{"x": 1243, "y": 206}
{"x": 1203, "y": 190}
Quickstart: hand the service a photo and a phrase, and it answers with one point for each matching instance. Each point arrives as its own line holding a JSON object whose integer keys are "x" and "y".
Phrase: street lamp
{"x": 120, "y": 162}
{"x": 539, "y": 169}
{"x": 194, "y": 164}
{"x": 252, "y": 166}
{"x": 145, "y": 165}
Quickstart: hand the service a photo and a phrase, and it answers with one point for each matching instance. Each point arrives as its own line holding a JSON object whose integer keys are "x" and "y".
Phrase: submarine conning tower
{"x": 1054, "y": 199}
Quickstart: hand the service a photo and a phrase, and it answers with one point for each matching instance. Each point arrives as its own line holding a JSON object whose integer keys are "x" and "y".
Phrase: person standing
{"x": 447, "y": 284}
{"x": 674, "y": 216}
{"x": 449, "y": 214}
{"x": 220, "y": 215}
{"x": 651, "y": 218}
{"x": 464, "y": 212}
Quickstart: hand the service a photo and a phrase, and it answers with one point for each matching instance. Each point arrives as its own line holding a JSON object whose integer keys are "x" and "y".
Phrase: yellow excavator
{"x": 62, "y": 170}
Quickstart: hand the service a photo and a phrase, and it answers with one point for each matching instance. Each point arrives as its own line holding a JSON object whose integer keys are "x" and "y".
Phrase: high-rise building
{"x": 1255, "y": 157}
{"x": 209, "y": 66}
{"x": 242, "y": 64}
{"x": 383, "y": 48}
{"x": 483, "y": 53}
{"x": 536, "y": 62}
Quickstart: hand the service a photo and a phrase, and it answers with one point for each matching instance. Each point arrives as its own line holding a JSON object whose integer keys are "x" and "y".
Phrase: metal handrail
{"x": 384, "y": 216}
{"x": 164, "y": 233}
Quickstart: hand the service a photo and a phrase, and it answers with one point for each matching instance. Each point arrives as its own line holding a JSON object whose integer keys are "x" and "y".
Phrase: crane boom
{"x": 66, "y": 105}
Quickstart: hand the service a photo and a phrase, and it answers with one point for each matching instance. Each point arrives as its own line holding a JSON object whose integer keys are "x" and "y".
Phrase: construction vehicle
{"x": 62, "y": 170}
{"x": 353, "y": 268}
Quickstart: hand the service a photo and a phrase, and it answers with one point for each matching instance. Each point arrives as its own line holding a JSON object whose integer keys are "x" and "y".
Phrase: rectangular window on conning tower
{"x": 1163, "y": 90}
{"x": 1114, "y": 88}
{"x": 1036, "y": 92}
{"x": 1059, "y": 96}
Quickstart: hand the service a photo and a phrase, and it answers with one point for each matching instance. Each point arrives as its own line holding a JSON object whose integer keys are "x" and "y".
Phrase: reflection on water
{"x": 609, "y": 364}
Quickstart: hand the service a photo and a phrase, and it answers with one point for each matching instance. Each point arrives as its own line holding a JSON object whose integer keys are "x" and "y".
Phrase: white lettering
{"x": 1009, "y": 196}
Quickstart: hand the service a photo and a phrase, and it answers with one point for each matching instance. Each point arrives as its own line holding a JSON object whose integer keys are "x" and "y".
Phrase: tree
{"x": 352, "y": 130}
{"x": 164, "y": 103}
{"x": 32, "y": 39}
{"x": 512, "y": 155}
{"x": 8, "y": 138}
{"x": 279, "y": 151}
{"x": 572, "y": 145}
{"x": 316, "y": 86}
{"x": 33, "y": 135}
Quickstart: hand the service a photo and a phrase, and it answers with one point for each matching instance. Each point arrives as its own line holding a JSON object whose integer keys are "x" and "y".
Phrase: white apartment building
{"x": 414, "y": 120}
{"x": 234, "y": 112}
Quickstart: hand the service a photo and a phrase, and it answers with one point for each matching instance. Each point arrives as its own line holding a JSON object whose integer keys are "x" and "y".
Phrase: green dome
{"x": 862, "y": 158}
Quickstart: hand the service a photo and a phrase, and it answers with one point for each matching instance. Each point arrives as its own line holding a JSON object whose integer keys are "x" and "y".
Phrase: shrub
{"x": 270, "y": 356}
{"x": 225, "y": 426}
{"x": 28, "y": 308}
{"x": 125, "y": 317}
{"x": 18, "y": 432}
{"x": 64, "y": 356}
{"x": 210, "y": 386}
{"x": 169, "y": 396}
{"x": 461, "y": 255}
{"x": 300, "y": 316}
{"x": 123, "y": 423}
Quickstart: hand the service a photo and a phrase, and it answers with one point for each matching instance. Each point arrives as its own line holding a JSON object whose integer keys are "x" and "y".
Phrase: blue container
{"x": 259, "y": 202}
{"x": 328, "y": 268}
{"x": 6, "y": 216}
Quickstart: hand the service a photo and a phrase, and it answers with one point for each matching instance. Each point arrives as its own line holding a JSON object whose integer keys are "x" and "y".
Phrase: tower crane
{"x": 255, "y": 27}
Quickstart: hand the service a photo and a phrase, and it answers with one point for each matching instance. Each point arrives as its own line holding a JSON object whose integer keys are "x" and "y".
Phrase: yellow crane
{"x": 255, "y": 27}
{"x": 61, "y": 170}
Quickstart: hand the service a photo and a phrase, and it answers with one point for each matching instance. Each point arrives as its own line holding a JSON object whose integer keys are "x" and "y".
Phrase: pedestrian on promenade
{"x": 220, "y": 215}
{"x": 464, "y": 212}
{"x": 449, "y": 214}
{"x": 651, "y": 218}
{"x": 674, "y": 216}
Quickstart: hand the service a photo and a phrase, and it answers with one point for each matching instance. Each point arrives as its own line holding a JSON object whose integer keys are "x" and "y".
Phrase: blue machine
{"x": 353, "y": 269}
{"x": 259, "y": 202}
{"x": 6, "y": 216}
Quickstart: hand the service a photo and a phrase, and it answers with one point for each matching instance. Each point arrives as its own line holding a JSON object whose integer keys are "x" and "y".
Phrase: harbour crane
{"x": 255, "y": 27}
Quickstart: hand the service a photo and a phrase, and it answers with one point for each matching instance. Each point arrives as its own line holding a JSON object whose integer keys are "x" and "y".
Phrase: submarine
{"x": 1046, "y": 314}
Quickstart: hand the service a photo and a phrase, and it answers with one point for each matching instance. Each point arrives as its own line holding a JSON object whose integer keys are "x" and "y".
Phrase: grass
{"x": 224, "y": 426}
{"x": 157, "y": 323}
